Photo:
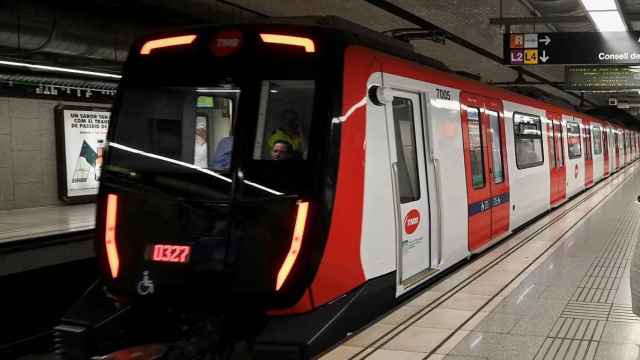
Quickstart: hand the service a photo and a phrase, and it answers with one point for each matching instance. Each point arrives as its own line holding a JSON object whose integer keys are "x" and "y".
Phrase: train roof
{"x": 360, "y": 35}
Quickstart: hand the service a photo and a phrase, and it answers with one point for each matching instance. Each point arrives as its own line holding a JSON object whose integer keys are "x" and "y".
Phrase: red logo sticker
{"x": 411, "y": 221}
{"x": 575, "y": 171}
{"x": 226, "y": 42}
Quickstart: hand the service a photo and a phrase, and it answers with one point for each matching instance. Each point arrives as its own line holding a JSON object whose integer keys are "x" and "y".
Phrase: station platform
{"x": 45, "y": 221}
{"x": 558, "y": 289}
{"x": 38, "y": 237}
{"x": 46, "y": 262}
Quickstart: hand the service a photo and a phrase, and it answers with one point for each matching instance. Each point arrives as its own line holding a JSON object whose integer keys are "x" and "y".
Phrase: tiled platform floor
{"x": 44, "y": 221}
{"x": 563, "y": 295}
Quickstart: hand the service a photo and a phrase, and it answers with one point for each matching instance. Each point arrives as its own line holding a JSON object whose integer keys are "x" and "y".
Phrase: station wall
{"x": 28, "y": 173}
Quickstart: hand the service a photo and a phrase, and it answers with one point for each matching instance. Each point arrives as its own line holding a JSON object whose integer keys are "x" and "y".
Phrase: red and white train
{"x": 401, "y": 171}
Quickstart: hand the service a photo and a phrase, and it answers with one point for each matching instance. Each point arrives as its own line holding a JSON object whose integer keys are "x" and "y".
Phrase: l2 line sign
{"x": 613, "y": 48}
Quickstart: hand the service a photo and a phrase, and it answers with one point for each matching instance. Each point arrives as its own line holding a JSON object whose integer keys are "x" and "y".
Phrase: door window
{"x": 552, "y": 147}
{"x": 560, "y": 145}
{"x": 587, "y": 143}
{"x": 403, "y": 120}
{"x": 496, "y": 147}
{"x": 475, "y": 147}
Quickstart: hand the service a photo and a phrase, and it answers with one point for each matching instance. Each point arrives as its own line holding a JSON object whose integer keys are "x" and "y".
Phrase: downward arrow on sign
{"x": 544, "y": 56}
{"x": 546, "y": 40}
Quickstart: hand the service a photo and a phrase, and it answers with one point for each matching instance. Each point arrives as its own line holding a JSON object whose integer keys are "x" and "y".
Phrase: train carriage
{"x": 215, "y": 197}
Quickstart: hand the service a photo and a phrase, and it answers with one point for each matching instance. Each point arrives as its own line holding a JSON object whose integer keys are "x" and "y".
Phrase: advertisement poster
{"x": 81, "y": 134}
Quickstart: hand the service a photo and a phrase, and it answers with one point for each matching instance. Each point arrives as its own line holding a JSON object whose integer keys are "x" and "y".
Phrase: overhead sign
{"x": 80, "y": 136}
{"x": 602, "y": 78}
{"x": 596, "y": 48}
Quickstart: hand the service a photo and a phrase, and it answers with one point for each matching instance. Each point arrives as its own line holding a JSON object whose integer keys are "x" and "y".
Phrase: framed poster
{"x": 80, "y": 138}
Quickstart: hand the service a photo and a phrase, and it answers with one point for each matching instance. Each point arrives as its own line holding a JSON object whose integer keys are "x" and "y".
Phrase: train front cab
{"x": 197, "y": 211}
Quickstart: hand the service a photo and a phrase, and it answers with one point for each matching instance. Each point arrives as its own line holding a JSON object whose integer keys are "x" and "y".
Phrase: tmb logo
{"x": 411, "y": 221}
{"x": 226, "y": 42}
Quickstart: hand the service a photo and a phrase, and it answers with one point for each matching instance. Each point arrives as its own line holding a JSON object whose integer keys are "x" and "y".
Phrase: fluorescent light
{"x": 608, "y": 21}
{"x": 218, "y": 90}
{"x": 59, "y": 69}
{"x": 599, "y": 5}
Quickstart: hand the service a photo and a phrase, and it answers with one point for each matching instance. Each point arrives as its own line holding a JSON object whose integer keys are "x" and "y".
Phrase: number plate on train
{"x": 171, "y": 253}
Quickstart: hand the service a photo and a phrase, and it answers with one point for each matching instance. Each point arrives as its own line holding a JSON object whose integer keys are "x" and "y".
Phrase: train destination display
{"x": 602, "y": 78}
{"x": 595, "y": 48}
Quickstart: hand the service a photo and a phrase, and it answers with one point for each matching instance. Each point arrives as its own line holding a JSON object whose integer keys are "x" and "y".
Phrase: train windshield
{"x": 177, "y": 130}
{"x": 182, "y": 125}
{"x": 252, "y": 118}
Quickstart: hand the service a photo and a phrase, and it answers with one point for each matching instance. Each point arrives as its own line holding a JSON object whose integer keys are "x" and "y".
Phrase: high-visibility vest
{"x": 280, "y": 135}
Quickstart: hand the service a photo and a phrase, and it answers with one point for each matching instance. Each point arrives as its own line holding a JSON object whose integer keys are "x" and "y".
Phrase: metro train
{"x": 395, "y": 170}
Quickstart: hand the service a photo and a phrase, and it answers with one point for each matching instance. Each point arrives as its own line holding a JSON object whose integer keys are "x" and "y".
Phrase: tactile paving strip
{"x": 604, "y": 276}
{"x": 577, "y": 332}
{"x": 577, "y": 329}
{"x": 623, "y": 313}
{"x": 584, "y": 310}
{"x": 558, "y": 349}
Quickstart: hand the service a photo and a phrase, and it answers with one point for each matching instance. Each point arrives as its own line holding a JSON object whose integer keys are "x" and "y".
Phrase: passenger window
{"x": 528, "y": 140}
{"x": 573, "y": 139}
{"x": 406, "y": 149}
{"x": 475, "y": 147}
{"x": 284, "y": 119}
{"x": 597, "y": 140}
{"x": 496, "y": 146}
{"x": 552, "y": 145}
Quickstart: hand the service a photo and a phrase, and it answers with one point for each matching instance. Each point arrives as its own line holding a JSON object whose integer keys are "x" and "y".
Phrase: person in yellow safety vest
{"x": 289, "y": 132}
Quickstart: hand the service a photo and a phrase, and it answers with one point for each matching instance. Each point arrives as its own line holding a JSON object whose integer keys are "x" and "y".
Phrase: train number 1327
{"x": 171, "y": 253}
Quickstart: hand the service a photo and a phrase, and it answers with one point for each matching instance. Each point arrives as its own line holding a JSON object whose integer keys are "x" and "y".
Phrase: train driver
{"x": 281, "y": 150}
{"x": 289, "y": 132}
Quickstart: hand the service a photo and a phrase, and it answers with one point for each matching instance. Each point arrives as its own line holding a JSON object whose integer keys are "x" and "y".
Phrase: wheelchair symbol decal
{"x": 145, "y": 286}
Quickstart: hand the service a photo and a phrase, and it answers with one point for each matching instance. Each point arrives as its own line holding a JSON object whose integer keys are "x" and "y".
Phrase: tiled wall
{"x": 28, "y": 175}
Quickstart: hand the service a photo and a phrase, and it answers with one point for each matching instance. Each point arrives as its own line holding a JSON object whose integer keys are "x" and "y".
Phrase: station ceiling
{"x": 96, "y": 34}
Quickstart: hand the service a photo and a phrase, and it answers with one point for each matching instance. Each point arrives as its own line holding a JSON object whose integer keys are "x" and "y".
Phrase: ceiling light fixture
{"x": 608, "y": 21}
{"x": 599, "y": 5}
{"x": 59, "y": 69}
{"x": 605, "y": 15}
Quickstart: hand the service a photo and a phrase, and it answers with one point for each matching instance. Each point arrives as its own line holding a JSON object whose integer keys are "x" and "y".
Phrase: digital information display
{"x": 602, "y": 78}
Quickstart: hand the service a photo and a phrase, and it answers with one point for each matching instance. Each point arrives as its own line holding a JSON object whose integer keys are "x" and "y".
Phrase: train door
{"x": 625, "y": 146}
{"x": 605, "y": 150}
{"x": 486, "y": 170}
{"x": 556, "y": 158}
{"x": 616, "y": 140}
{"x": 588, "y": 153}
{"x": 498, "y": 170}
{"x": 407, "y": 152}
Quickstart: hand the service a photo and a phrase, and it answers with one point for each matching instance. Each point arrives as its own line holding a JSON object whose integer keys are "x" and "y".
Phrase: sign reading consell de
{"x": 596, "y": 48}
{"x": 602, "y": 77}
{"x": 80, "y": 140}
